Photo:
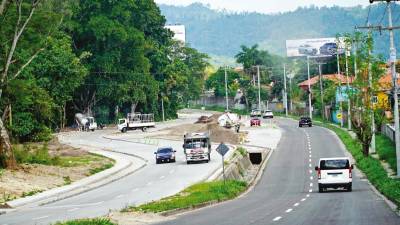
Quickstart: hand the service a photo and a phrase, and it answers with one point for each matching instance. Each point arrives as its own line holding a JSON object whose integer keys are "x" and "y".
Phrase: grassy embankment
{"x": 97, "y": 221}
{"x": 195, "y": 195}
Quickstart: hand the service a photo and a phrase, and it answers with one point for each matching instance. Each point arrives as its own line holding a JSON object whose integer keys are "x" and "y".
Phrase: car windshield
{"x": 334, "y": 164}
{"x": 193, "y": 145}
{"x": 305, "y": 119}
{"x": 165, "y": 150}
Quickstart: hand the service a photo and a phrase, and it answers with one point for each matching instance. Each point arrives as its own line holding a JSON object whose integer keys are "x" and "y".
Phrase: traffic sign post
{"x": 222, "y": 149}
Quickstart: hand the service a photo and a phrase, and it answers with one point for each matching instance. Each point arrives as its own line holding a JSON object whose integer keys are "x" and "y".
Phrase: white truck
{"x": 85, "y": 122}
{"x": 135, "y": 121}
{"x": 197, "y": 147}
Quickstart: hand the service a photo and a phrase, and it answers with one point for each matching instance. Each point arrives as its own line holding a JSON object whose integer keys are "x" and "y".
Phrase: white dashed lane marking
{"x": 134, "y": 190}
{"x": 311, "y": 177}
{"x": 39, "y": 218}
{"x": 289, "y": 210}
{"x": 310, "y": 190}
{"x": 71, "y": 210}
{"x": 296, "y": 204}
{"x": 303, "y": 199}
{"x": 311, "y": 184}
{"x": 119, "y": 196}
{"x": 162, "y": 177}
{"x": 150, "y": 183}
{"x": 308, "y": 195}
{"x": 277, "y": 218}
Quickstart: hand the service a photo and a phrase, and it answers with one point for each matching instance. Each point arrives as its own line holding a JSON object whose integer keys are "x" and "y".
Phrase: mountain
{"x": 220, "y": 33}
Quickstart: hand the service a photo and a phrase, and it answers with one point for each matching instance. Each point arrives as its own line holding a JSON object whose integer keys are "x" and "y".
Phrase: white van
{"x": 334, "y": 173}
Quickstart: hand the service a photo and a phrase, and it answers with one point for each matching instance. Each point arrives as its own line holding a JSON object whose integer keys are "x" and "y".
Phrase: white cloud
{"x": 265, "y": 6}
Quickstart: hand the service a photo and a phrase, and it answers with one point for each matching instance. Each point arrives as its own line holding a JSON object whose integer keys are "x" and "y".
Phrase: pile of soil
{"x": 217, "y": 133}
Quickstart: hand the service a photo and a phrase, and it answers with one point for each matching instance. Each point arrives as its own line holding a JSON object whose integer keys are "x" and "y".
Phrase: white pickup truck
{"x": 135, "y": 121}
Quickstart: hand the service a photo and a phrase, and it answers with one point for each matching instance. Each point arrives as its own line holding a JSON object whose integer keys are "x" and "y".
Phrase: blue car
{"x": 165, "y": 155}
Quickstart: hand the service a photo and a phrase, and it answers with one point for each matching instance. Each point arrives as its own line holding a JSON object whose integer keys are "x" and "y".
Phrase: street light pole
{"x": 259, "y": 88}
{"x": 309, "y": 87}
{"x": 226, "y": 89}
{"x": 285, "y": 101}
{"x": 340, "y": 86}
{"x": 347, "y": 53}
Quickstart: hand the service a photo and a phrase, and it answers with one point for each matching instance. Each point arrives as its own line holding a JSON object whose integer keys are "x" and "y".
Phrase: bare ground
{"x": 29, "y": 179}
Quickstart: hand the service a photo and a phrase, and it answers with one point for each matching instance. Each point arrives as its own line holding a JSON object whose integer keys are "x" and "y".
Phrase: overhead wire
{"x": 384, "y": 14}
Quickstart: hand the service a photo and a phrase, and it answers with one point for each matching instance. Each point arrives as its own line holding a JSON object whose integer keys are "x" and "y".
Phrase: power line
{"x": 398, "y": 17}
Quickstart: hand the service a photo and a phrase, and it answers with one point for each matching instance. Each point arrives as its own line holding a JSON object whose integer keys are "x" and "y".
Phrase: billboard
{"x": 314, "y": 47}
{"x": 179, "y": 32}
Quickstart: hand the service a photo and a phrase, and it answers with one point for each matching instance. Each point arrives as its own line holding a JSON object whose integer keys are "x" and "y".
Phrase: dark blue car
{"x": 165, "y": 155}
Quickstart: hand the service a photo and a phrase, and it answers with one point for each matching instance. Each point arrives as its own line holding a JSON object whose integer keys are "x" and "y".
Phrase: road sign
{"x": 339, "y": 116}
{"x": 222, "y": 149}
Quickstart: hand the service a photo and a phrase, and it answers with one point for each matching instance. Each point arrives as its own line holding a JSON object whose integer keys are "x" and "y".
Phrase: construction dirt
{"x": 29, "y": 179}
{"x": 217, "y": 133}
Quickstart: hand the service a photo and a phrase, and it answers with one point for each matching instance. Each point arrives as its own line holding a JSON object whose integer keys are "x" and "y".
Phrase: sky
{"x": 265, "y": 6}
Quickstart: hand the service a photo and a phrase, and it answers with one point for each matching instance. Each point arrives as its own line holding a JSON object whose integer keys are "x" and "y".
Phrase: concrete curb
{"x": 122, "y": 168}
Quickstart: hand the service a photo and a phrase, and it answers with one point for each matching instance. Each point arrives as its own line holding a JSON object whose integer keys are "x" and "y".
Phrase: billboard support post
{"x": 309, "y": 87}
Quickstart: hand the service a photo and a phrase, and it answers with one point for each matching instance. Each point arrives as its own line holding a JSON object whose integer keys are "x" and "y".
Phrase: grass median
{"x": 97, "y": 221}
{"x": 193, "y": 196}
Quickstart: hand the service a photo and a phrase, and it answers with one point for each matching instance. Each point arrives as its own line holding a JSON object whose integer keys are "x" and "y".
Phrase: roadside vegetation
{"x": 194, "y": 195}
{"x": 386, "y": 150}
{"x": 97, "y": 221}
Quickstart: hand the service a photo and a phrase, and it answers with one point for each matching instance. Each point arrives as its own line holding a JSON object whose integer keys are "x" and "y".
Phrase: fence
{"x": 388, "y": 131}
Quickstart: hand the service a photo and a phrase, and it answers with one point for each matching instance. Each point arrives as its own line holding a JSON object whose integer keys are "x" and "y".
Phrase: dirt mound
{"x": 209, "y": 119}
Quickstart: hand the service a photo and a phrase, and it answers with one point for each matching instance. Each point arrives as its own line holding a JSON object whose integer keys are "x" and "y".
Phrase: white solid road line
{"x": 39, "y": 218}
{"x": 277, "y": 218}
{"x": 71, "y": 210}
{"x": 289, "y": 210}
{"x": 296, "y": 204}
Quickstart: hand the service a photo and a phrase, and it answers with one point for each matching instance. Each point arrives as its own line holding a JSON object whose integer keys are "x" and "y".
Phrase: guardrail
{"x": 388, "y": 131}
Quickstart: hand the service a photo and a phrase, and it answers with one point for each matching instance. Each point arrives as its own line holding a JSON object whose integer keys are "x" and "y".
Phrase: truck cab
{"x": 197, "y": 147}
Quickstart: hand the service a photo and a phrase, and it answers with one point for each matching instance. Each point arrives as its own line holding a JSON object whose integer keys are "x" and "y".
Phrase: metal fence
{"x": 388, "y": 131}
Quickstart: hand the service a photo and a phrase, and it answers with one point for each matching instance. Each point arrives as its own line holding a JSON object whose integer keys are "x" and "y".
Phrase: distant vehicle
{"x": 197, "y": 147}
{"x": 307, "y": 49}
{"x": 85, "y": 122}
{"x": 165, "y": 155}
{"x": 268, "y": 114}
{"x": 305, "y": 121}
{"x": 255, "y": 113}
{"x": 334, "y": 173}
{"x": 329, "y": 48}
{"x": 255, "y": 122}
{"x": 135, "y": 121}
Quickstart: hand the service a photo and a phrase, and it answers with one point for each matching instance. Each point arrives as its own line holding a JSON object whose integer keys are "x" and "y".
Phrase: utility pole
{"x": 285, "y": 99}
{"x": 395, "y": 85}
{"x": 226, "y": 89}
{"x": 340, "y": 86}
{"x": 309, "y": 87}
{"x": 291, "y": 94}
{"x": 162, "y": 107}
{"x": 259, "y": 88}
{"x": 394, "y": 77}
{"x": 347, "y": 53}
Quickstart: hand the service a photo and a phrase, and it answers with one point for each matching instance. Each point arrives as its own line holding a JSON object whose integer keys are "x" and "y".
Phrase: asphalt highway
{"x": 288, "y": 190}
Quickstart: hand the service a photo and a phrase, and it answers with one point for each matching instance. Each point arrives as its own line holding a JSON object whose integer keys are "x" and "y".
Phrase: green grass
{"x": 195, "y": 195}
{"x": 30, "y": 193}
{"x": 242, "y": 151}
{"x": 386, "y": 150}
{"x": 97, "y": 221}
{"x": 372, "y": 167}
{"x": 101, "y": 168}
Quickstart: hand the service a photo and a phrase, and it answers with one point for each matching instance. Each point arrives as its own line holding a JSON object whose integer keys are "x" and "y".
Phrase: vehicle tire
{"x": 349, "y": 187}
{"x": 124, "y": 130}
{"x": 144, "y": 129}
{"x": 92, "y": 130}
{"x": 157, "y": 162}
{"x": 320, "y": 189}
{"x": 188, "y": 162}
{"x": 310, "y": 125}
{"x": 209, "y": 156}
{"x": 174, "y": 160}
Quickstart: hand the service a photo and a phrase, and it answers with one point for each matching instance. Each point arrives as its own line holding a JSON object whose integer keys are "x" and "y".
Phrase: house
{"x": 333, "y": 77}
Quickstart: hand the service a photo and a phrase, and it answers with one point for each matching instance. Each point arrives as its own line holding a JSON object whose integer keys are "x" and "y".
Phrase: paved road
{"x": 150, "y": 183}
{"x": 288, "y": 193}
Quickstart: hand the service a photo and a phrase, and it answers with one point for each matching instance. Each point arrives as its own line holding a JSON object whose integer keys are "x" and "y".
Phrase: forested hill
{"x": 221, "y": 33}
